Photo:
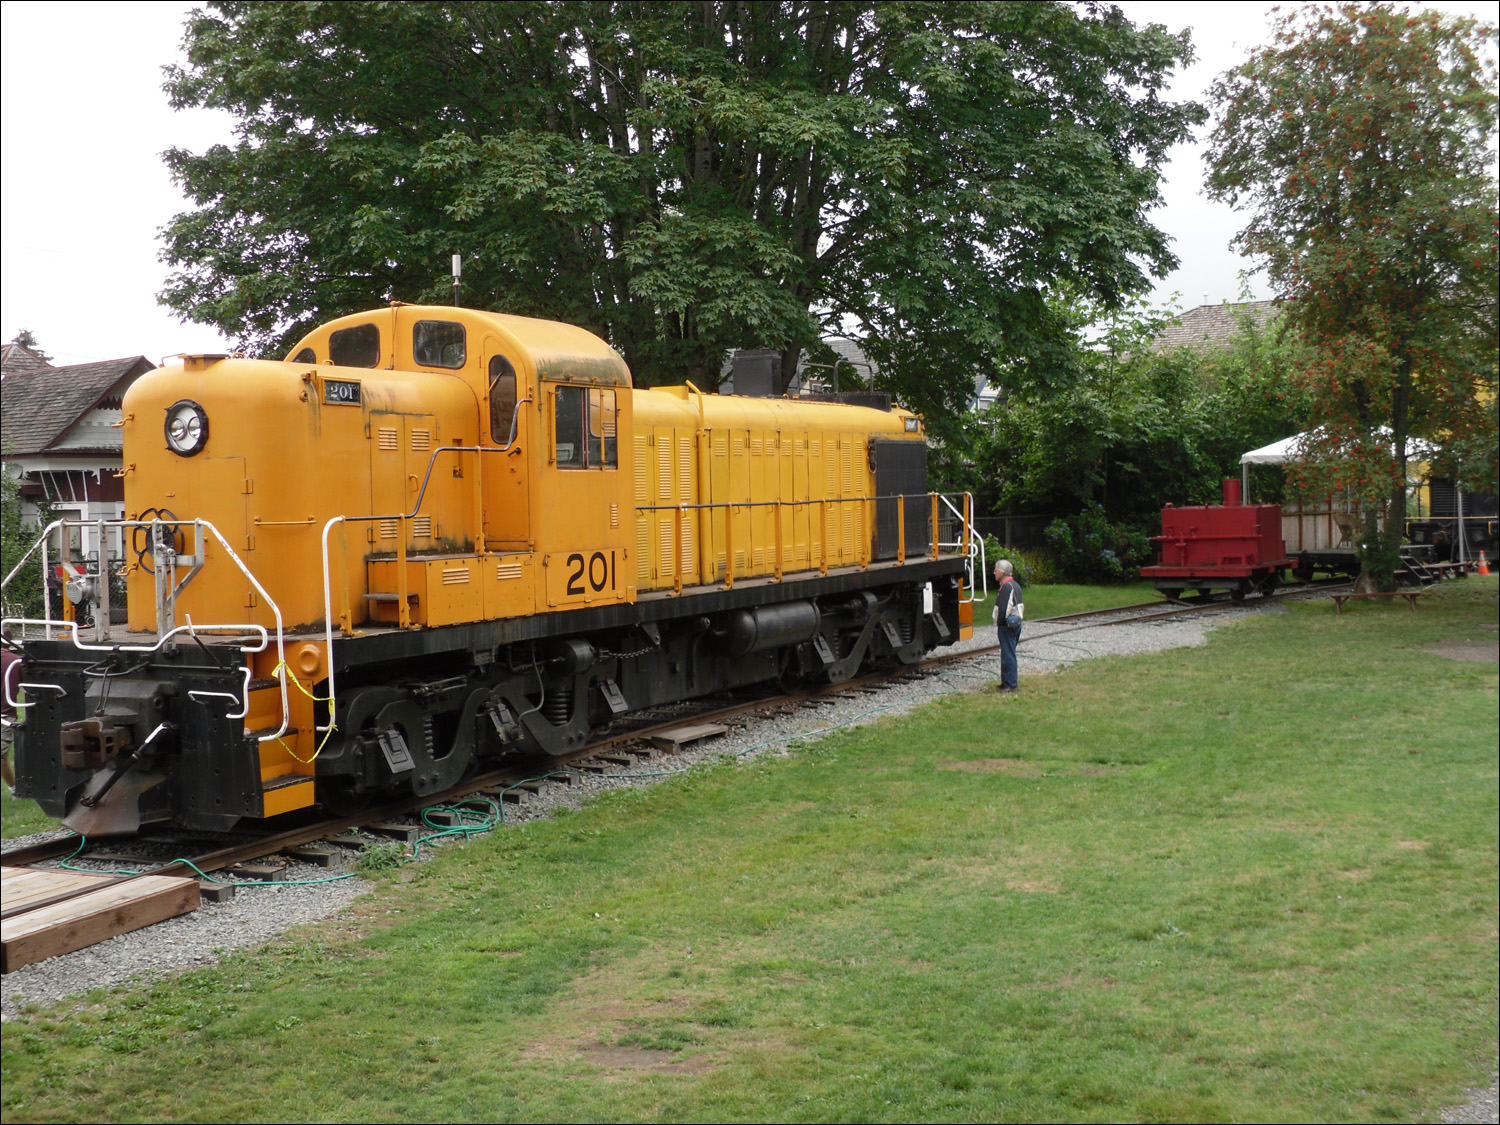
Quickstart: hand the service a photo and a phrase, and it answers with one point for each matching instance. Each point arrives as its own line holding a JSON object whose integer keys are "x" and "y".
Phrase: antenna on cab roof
{"x": 458, "y": 272}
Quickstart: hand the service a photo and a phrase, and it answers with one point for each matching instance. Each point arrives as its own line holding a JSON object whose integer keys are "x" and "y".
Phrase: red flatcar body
{"x": 1233, "y": 546}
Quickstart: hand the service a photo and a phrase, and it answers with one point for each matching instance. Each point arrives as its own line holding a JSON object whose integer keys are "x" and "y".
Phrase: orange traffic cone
{"x": 1484, "y": 567}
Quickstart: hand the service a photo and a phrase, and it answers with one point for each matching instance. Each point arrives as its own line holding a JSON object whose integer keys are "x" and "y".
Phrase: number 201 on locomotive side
{"x": 589, "y": 576}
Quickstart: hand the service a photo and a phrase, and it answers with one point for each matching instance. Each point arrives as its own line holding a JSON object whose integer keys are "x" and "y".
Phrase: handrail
{"x": 164, "y": 636}
{"x": 974, "y": 543}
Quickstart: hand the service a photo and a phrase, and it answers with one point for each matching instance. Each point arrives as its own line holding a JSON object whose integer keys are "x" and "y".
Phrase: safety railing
{"x": 864, "y": 550}
{"x": 166, "y": 561}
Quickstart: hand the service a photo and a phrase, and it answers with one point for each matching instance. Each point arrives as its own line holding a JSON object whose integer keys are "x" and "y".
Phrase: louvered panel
{"x": 421, "y": 441}
{"x": 758, "y": 559}
{"x": 390, "y": 437}
{"x": 721, "y": 449}
{"x": 739, "y": 446}
{"x": 388, "y": 529}
{"x": 506, "y": 571}
{"x": 687, "y": 544}
{"x": 614, "y": 515}
{"x": 799, "y": 447}
{"x": 421, "y": 527}
{"x": 455, "y": 576}
{"x": 664, "y": 456}
{"x": 666, "y": 549}
{"x": 642, "y": 551}
{"x": 831, "y": 470}
{"x": 848, "y": 547}
{"x": 739, "y": 564}
{"x": 687, "y": 480}
{"x": 755, "y": 447}
{"x": 846, "y": 455}
{"x": 815, "y": 447}
{"x": 642, "y": 472}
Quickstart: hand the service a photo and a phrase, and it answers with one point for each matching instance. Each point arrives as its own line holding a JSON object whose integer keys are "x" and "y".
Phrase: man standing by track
{"x": 1008, "y": 611}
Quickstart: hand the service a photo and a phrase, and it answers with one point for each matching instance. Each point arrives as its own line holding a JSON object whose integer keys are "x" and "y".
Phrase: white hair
{"x": 1004, "y": 569}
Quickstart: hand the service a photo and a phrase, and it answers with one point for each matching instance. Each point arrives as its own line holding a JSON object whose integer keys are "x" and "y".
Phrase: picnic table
{"x": 1410, "y": 595}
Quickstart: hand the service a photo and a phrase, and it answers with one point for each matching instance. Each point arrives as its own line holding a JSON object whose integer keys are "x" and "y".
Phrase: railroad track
{"x": 506, "y": 781}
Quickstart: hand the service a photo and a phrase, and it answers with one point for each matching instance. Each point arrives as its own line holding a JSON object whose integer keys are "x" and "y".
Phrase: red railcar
{"x": 1233, "y": 546}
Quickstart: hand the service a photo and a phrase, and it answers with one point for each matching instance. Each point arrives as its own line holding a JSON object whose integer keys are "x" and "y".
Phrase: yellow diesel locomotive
{"x": 433, "y": 536}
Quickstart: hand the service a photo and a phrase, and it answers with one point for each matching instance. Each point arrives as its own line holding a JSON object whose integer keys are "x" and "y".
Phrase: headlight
{"x": 187, "y": 427}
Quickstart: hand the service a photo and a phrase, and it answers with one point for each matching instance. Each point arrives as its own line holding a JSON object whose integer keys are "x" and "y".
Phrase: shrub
{"x": 1088, "y": 548}
{"x": 1031, "y": 566}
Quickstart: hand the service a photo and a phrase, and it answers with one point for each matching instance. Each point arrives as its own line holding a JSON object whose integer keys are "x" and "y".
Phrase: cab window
{"x": 502, "y": 399}
{"x": 438, "y": 343}
{"x": 306, "y": 355}
{"x": 585, "y": 428}
{"x": 355, "y": 347}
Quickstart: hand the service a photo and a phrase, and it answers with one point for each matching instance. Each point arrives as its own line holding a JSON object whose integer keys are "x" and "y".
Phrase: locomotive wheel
{"x": 337, "y": 796}
{"x": 1173, "y": 595}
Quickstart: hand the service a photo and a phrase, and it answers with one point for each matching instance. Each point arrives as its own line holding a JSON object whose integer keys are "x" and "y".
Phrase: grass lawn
{"x": 1056, "y": 599}
{"x": 1252, "y": 881}
{"x": 22, "y": 817}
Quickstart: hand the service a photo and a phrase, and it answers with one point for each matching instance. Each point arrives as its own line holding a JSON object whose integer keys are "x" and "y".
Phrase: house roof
{"x": 38, "y": 407}
{"x": 16, "y": 357}
{"x": 1212, "y": 325}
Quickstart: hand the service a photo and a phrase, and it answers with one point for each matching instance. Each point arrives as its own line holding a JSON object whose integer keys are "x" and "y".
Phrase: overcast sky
{"x": 84, "y": 121}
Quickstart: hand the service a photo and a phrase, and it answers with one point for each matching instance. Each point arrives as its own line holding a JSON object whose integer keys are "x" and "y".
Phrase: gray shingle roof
{"x": 38, "y": 407}
{"x": 16, "y": 357}
{"x": 1210, "y": 326}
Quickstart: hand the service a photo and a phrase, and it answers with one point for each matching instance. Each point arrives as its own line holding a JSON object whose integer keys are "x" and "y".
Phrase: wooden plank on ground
{"x": 27, "y": 886}
{"x": 93, "y": 917}
{"x": 678, "y": 737}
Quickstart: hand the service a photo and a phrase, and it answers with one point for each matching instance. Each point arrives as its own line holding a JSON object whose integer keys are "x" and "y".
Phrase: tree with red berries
{"x": 1361, "y": 141}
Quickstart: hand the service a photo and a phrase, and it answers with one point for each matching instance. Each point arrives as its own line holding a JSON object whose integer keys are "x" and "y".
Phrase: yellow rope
{"x": 332, "y": 726}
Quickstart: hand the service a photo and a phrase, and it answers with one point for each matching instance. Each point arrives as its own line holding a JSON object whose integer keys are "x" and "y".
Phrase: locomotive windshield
{"x": 438, "y": 343}
{"x": 355, "y": 347}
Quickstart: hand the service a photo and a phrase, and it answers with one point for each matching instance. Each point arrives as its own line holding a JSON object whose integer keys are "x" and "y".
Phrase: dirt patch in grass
{"x": 1413, "y": 845}
{"x": 647, "y": 1059}
{"x": 1022, "y": 767}
{"x": 1477, "y": 652}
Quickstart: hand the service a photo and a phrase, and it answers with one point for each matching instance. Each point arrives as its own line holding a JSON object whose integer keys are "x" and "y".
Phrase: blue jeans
{"x": 1010, "y": 676}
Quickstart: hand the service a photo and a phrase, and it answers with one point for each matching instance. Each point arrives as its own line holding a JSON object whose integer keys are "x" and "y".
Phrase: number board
{"x": 588, "y": 576}
{"x": 340, "y": 392}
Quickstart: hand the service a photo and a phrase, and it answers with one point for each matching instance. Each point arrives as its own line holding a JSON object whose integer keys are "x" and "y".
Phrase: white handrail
{"x": 328, "y": 624}
{"x": 71, "y": 627}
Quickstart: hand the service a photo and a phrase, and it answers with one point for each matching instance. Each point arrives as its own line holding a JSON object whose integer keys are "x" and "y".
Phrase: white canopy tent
{"x": 1289, "y": 449}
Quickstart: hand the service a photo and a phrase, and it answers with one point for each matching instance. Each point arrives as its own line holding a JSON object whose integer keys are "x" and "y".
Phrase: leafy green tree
{"x": 27, "y": 339}
{"x": 1141, "y": 428}
{"x": 1361, "y": 142}
{"x": 685, "y": 178}
{"x": 23, "y": 597}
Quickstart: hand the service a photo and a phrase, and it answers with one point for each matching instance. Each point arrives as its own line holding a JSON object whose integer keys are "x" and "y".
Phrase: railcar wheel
{"x": 337, "y": 795}
{"x": 1173, "y": 595}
